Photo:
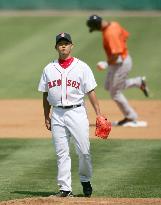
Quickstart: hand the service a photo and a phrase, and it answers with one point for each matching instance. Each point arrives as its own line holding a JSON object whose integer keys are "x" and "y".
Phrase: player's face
{"x": 64, "y": 48}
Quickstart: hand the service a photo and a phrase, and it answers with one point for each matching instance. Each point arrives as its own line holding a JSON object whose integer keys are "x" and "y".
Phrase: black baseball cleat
{"x": 87, "y": 189}
{"x": 124, "y": 121}
{"x": 63, "y": 193}
{"x": 144, "y": 87}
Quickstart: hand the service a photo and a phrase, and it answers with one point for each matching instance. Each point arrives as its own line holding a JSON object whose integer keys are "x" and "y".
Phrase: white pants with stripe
{"x": 116, "y": 81}
{"x": 67, "y": 123}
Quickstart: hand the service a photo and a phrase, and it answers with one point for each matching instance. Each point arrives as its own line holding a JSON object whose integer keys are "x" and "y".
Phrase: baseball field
{"x": 127, "y": 166}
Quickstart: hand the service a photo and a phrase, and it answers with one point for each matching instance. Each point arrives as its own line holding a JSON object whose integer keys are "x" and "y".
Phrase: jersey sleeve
{"x": 43, "y": 86}
{"x": 89, "y": 80}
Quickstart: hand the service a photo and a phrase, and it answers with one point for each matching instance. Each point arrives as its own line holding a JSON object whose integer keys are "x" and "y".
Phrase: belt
{"x": 69, "y": 106}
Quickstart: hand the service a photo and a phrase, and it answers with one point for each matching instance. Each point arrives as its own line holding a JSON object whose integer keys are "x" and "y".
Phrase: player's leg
{"x": 117, "y": 82}
{"x": 120, "y": 74}
{"x": 79, "y": 127}
{"x": 133, "y": 82}
{"x": 117, "y": 75}
{"x": 61, "y": 140}
{"x": 124, "y": 106}
{"x": 107, "y": 80}
{"x": 139, "y": 82}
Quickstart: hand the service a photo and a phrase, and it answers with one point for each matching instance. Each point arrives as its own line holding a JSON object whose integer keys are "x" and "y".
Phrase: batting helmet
{"x": 94, "y": 23}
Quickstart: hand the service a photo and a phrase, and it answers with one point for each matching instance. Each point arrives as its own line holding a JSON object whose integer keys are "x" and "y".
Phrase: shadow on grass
{"x": 35, "y": 193}
{"x": 40, "y": 193}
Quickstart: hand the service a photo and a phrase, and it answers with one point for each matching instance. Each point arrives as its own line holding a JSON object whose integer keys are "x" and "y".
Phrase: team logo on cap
{"x": 62, "y": 34}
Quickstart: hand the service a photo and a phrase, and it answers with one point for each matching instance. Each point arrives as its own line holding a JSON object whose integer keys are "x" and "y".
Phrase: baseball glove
{"x": 103, "y": 127}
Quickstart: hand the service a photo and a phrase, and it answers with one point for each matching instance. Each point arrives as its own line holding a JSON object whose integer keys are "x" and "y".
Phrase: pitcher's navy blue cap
{"x": 65, "y": 36}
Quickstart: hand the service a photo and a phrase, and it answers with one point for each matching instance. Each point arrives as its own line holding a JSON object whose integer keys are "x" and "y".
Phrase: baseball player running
{"x": 64, "y": 83}
{"x": 120, "y": 63}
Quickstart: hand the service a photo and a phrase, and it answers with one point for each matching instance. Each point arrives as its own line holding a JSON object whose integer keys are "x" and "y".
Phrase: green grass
{"x": 121, "y": 168}
{"x": 27, "y": 45}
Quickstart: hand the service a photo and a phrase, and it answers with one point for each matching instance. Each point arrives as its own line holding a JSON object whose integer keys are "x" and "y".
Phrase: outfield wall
{"x": 82, "y": 4}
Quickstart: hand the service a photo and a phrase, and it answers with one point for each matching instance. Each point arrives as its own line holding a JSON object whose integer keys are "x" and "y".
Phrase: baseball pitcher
{"x": 64, "y": 83}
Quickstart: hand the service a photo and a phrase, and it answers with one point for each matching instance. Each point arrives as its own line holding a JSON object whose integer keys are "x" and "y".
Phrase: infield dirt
{"x": 83, "y": 201}
{"x": 24, "y": 119}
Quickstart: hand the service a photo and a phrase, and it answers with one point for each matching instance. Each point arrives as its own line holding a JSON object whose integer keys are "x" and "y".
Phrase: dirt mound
{"x": 83, "y": 201}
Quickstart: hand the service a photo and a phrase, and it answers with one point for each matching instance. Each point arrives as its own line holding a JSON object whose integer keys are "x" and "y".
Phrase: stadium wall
{"x": 81, "y": 4}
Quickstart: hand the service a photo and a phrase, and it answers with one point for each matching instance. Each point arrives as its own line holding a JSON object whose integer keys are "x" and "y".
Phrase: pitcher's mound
{"x": 84, "y": 201}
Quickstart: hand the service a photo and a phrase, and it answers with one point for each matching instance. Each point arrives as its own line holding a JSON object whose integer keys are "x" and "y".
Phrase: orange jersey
{"x": 114, "y": 41}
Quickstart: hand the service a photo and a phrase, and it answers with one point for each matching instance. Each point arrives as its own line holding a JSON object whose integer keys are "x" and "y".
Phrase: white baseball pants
{"x": 66, "y": 123}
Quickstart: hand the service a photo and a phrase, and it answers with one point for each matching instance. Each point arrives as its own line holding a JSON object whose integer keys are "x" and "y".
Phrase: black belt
{"x": 69, "y": 106}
